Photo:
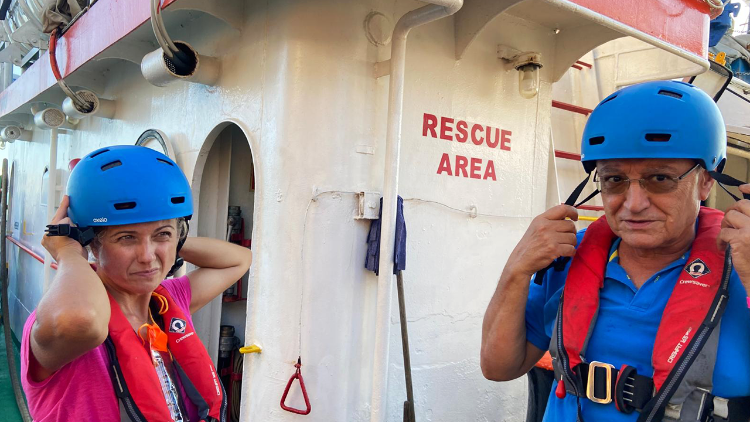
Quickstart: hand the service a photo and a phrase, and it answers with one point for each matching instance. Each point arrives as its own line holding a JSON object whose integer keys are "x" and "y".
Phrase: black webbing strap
{"x": 178, "y": 261}
{"x": 629, "y": 390}
{"x": 82, "y": 235}
{"x": 725, "y": 179}
{"x": 560, "y": 263}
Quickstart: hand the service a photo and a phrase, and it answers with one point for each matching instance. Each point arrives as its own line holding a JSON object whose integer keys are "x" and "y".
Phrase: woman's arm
{"x": 221, "y": 265}
{"x": 73, "y": 315}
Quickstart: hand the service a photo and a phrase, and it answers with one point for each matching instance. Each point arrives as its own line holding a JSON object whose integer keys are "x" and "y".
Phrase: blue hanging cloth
{"x": 720, "y": 25}
{"x": 372, "y": 260}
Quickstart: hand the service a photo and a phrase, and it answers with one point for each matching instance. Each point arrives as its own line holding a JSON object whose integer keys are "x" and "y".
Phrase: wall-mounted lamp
{"x": 527, "y": 64}
{"x": 14, "y": 133}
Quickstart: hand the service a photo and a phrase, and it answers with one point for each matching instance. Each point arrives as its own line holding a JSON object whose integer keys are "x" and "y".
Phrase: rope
{"x": 716, "y": 8}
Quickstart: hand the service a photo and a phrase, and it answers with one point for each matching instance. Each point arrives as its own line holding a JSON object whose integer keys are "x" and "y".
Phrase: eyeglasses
{"x": 657, "y": 183}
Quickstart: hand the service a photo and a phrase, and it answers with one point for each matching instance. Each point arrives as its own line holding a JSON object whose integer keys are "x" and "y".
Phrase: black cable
{"x": 742, "y": 97}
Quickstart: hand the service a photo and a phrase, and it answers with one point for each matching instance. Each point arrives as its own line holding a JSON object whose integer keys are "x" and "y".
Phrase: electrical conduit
{"x": 437, "y": 10}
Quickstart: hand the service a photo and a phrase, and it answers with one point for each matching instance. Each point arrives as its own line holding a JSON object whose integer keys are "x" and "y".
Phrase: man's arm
{"x": 506, "y": 354}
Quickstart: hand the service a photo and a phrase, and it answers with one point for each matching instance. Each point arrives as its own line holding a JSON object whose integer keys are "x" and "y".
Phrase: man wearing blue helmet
{"x": 115, "y": 340}
{"x": 649, "y": 320}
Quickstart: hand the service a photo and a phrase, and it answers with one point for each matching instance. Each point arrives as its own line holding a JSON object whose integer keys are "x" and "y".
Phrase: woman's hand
{"x": 57, "y": 245}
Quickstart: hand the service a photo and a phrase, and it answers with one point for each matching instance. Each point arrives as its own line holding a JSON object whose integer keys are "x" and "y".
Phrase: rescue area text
{"x": 449, "y": 129}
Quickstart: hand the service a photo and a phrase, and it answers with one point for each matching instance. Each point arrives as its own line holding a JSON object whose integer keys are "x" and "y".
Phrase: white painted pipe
{"x": 438, "y": 10}
{"x": 100, "y": 107}
{"x": 159, "y": 71}
{"x": 51, "y": 187}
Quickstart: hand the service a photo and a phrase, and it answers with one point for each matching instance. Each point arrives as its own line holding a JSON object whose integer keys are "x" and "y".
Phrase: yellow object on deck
{"x": 250, "y": 349}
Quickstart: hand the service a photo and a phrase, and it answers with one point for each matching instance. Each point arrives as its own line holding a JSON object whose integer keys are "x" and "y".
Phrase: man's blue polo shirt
{"x": 626, "y": 327}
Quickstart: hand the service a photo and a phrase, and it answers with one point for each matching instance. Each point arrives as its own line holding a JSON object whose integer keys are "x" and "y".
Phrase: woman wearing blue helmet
{"x": 649, "y": 319}
{"x": 115, "y": 340}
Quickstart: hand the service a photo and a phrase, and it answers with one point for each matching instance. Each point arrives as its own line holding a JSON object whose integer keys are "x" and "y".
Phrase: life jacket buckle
{"x": 591, "y": 382}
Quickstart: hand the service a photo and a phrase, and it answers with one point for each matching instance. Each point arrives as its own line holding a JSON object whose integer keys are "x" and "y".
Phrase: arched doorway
{"x": 224, "y": 191}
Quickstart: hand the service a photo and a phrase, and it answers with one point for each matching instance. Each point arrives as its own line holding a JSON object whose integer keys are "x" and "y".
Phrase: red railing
{"x": 567, "y": 155}
{"x": 570, "y": 107}
{"x": 29, "y": 251}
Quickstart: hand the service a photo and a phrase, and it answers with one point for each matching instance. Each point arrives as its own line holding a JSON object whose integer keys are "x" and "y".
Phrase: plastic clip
{"x": 84, "y": 236}
{"x": 297, "y": 375}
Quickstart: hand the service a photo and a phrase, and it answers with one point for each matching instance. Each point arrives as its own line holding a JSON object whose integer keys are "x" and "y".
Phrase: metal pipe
{"x": 571, "y": 107}
{"x": 437, "y": 10}
{"x": 51, "y": 187}
{"x": 732, "y": 150}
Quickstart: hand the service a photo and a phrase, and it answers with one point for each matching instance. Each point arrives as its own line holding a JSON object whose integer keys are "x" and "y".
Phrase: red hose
{"x": 52, "y": 57}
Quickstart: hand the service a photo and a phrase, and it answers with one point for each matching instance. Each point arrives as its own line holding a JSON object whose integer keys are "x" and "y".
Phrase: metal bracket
{"x": 368, "y": 206}
{"x": 11, "y": 54}
{"x": 29, "y": 34}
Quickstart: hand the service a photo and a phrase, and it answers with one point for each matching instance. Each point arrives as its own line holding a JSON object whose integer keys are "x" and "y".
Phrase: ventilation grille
{"x": 53, "y": 117}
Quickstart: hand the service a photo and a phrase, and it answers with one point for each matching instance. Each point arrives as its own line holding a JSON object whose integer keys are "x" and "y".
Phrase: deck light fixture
{"x": 527, "y": 64}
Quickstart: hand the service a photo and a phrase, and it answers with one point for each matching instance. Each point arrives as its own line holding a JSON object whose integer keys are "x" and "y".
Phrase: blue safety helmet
{"x": 127, "y": 184}
{"x": 661, "y": 119}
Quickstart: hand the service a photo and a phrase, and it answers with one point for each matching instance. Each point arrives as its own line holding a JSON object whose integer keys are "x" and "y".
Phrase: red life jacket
{"x": 135, "y": 380}
{"x": 693, "y": 310}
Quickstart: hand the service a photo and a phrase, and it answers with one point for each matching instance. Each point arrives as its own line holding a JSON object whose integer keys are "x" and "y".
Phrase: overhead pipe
{"x": 98, "y": 106}
{"x": 437, "y": 10}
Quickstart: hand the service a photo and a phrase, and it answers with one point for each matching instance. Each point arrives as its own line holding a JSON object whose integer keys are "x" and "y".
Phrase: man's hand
{"x": 548, "y": 237}
{"x": 62, "y": 244}
{"x": 735, "y": 231}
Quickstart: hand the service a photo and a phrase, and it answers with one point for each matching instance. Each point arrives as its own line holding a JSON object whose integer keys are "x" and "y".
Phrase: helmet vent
{"x": 611, "y": 97}
{"x": 178, "y": 200}
{"x": 670, "y": 93}
{"x": 111, "y": 165}
{"x": 164, "y": 161}
{"x": 99, "y": 153}
{"x": 125, "y": 206}
{"x": 596, "y": 140}
{"x": 658, "y": 137}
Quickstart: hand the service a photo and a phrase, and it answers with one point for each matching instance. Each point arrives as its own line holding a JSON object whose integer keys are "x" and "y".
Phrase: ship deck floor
{"x": 7, "y": 400}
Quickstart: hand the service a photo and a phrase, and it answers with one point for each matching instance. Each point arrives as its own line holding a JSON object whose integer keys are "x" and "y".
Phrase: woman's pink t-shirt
{"x": 82, "y": 390}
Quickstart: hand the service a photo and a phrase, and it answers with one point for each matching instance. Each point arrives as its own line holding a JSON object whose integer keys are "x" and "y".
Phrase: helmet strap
{"x": 725, "y": 179}
{"x": 577, "y": 192}
{"x": 560, "y": 263}
{"x": 178, "y": 260}
{"x": 83, "y": 235}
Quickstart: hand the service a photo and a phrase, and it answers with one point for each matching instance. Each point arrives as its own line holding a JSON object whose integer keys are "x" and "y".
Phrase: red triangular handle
{"x": 298, "y": 376}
